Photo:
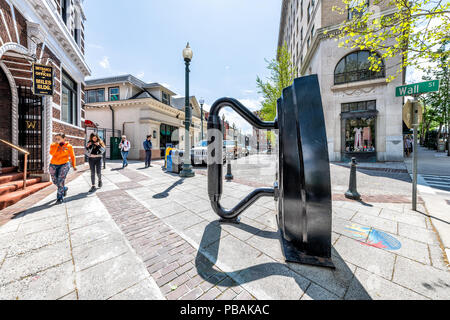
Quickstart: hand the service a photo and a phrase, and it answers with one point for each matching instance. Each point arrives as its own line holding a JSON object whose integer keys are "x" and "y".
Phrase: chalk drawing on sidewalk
{"x": 374, "y": 238}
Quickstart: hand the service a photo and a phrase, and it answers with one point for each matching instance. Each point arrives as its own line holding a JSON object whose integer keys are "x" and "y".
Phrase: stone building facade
{"x": 47, "y": 32}
{"x": 363, "y": 117}
{"x": 126, "y": 105}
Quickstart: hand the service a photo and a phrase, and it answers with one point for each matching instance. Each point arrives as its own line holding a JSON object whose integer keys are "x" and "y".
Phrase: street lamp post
{"x": 187, "y": 168}
{"x": 202, "y": 102}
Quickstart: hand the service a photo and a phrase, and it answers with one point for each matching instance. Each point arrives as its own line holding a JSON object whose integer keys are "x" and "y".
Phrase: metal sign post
{"x": 415, "y": 90}
{"x": 415, "y": 151}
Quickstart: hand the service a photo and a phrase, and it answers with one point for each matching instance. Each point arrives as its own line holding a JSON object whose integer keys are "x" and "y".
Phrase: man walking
{"x": 148, "y": 151}
{"x": 124, "y": 147}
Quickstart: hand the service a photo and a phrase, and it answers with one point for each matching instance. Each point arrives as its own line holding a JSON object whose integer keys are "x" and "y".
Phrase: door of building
{"x": 30, "y": 129}
{"x": 5, "y": 120}
{"x": 168, "y": 138}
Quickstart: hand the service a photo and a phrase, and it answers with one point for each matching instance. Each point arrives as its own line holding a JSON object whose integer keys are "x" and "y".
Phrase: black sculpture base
{"x": 292, "y": 254}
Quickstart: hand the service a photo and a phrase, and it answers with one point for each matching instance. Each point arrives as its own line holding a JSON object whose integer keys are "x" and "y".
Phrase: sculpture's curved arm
{"x": 215, "y": 173}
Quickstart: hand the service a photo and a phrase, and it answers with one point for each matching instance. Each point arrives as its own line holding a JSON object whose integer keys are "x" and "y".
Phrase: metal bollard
{"x": 229, "y": 175}
{"x": 352, "y": 192}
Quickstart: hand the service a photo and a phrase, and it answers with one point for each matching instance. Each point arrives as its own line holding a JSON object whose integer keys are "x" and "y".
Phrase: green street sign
{"x": 417, "y": 88}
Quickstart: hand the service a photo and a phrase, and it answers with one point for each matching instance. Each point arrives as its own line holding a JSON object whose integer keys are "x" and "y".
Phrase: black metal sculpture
{"x": 303, "y": 189}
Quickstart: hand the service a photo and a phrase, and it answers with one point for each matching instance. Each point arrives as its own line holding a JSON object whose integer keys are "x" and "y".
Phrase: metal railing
{"x": 26, "y": 153}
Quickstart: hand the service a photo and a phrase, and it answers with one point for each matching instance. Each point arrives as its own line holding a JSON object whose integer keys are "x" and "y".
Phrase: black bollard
{"x": 352, "y": 192}
{"x": 229, "y": 175}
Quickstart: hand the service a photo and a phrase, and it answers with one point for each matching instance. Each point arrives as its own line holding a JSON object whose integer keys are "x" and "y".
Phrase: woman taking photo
{"x": 95, "y": 150}
{"x": 61, "y": 151}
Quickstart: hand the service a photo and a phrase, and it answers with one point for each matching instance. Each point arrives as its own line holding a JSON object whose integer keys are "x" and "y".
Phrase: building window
{"x": 309, "y": 12}
{"x": 359, "y": 106}
{"x": 114, "y": 94}
{"x": 301, "y": 9}
{"x": 312, "y": 32}
{"x": 64, "y": 10}
{"x": 359, "y": 124}
{"x": 166, "y": 98}
{"x": 97, "y": 95}
{"x": 69, "y": 102}
{"x": 308, "y": 42}
{"x": 355, "y": 67}
{"x": 353, "y": 12}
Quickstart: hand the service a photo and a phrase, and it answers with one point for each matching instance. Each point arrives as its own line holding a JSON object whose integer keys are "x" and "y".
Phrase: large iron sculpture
{"x": 303, "y": 187}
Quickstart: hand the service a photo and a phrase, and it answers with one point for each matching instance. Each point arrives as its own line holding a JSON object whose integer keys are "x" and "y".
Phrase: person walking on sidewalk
{"x": 124, "y": 147}
{"x": 95, "y": 150}
{"x": 61, "y": 151}
{"x": 148, "y": 146}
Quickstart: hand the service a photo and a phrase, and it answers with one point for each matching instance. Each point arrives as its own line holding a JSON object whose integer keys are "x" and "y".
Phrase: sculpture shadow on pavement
{"x": 208, "y": 257}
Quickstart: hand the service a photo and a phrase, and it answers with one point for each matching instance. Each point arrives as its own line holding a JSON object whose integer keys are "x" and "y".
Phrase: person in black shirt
{"x": 148, "y": 151}
{"x": 95, "y": 150}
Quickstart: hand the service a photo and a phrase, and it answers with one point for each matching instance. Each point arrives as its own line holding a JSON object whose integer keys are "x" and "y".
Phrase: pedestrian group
{"x": 63, "y": 157}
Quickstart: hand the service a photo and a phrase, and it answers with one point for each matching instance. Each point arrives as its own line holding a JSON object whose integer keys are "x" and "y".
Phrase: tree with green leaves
{"x": 410, "y": 29}
{"x": 438, "y": 103}
{"x": 282, "y": 75}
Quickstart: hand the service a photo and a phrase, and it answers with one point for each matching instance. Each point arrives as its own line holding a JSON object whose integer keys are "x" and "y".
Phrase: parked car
{"x": 231, "y": 148}
{"x": 199, "y": 153}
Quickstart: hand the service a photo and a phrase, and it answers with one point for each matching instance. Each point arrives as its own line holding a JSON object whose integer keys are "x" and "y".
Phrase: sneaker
{"x": 59, "y": 201}
{"x": 100, "y": 184}
{"x": 92, "y": 189}
{"x": 65, "y": 191}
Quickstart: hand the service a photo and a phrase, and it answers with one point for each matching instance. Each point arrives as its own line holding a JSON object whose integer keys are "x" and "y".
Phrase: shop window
{"x": 114, "y": 94}
{"x": 359, "y": 121}
{"x": 360, "y": 135}
{"x": 356, "y": 67}
{"x": 69, "y": 101}
{"x": 97, "y": 95}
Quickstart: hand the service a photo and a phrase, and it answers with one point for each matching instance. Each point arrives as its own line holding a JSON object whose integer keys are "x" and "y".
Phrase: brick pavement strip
{"x": 168, "y": 257}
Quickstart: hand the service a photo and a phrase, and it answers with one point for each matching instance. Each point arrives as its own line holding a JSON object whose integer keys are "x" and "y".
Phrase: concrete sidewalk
{"x": 437, "y": 200}
{"x": 149, "y": 234}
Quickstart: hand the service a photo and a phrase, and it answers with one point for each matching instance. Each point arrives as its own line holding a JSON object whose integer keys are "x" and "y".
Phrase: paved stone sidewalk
{"x": 151, "y": 230}
{"x": 71, "y": 251}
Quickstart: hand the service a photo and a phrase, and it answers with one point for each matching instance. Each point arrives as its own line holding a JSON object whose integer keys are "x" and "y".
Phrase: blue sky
{"x": 230, "y": 39}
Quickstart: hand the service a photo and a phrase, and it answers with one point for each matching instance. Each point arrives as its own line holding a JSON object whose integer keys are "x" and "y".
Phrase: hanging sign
{"x": 42, "y": 80}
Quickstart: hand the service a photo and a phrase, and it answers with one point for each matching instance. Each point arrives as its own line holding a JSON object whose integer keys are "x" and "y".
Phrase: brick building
{"x": 47, "y": 32}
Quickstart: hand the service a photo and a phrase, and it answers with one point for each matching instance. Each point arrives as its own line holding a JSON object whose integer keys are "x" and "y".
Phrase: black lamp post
{"x": 187, "y": 167}
{"x": 202, "y": 102}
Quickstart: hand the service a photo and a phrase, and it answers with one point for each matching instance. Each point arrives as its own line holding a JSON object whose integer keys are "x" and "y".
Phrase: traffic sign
{"x": 408, "y": 113}
{"x": 417, "y": 88}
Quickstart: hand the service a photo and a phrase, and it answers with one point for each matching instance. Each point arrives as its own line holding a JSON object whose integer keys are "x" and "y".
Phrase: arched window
{"x": 355, "y": 67}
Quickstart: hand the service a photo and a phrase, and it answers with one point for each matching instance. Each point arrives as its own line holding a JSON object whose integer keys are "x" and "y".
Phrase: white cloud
{"x": 104, "y": 63}
{"x": 247, "y": 91}
{"x": 94, "y": 46}
{"x": 227, "y": 67}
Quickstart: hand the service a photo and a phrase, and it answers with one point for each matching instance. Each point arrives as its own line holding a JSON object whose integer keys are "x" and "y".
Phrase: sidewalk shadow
{"x": 166, "y": 192}
{"x": 207, "y": 256}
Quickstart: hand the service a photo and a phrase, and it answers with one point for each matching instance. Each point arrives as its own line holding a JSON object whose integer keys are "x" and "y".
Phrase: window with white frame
{"x": 69, "y": 101}
{"x": 114, "y": 94}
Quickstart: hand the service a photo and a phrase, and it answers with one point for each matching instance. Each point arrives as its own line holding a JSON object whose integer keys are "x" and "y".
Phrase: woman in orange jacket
{"x": 60, "y": 165}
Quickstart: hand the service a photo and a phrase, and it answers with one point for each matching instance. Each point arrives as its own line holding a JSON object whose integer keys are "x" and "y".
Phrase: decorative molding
{"x": 36, "y": 36}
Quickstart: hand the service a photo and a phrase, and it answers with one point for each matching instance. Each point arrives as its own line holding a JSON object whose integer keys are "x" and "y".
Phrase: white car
{"x": 199, "y": 153}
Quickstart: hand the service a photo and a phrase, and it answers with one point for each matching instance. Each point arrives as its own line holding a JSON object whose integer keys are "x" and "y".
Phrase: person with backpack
{"x": 61, "y": 151}
{"x": 94, "y": 151}
{"x": 148, "y": 146}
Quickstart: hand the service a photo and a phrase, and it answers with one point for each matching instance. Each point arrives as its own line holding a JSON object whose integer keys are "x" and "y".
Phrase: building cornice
{"x": 54, "y": 23}
{"x": 148, "y": 102}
